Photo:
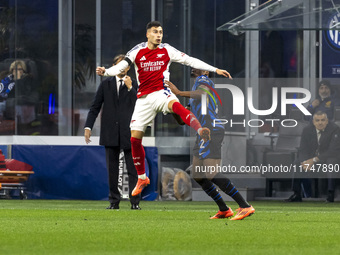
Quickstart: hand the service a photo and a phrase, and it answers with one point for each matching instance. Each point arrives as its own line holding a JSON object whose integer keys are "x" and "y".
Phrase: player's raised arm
{"x": 180, "y": 57}
{"x": 100, "y": 70}
{"x": 199, "y": 64}
{"x": 224, "y": 73}
{"x": 114, "y": 70}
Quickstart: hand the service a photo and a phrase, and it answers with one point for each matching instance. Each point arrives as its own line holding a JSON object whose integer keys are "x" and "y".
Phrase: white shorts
{"x": 148, "y": 106}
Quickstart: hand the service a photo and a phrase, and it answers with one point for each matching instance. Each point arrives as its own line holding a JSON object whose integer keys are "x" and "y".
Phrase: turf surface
{"x": 85, "y": 227}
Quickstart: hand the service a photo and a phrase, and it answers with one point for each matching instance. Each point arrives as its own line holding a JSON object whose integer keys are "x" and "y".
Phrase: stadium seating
{"x": 285, "y": 150}
{"x": 337, "y": 115}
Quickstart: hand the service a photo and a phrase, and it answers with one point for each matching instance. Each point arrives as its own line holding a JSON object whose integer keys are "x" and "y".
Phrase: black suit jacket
{"x": 116, "y": 113}
{"x": 329, "y": 143}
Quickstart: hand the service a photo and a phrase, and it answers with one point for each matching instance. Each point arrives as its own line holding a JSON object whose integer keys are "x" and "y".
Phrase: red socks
{"x": 138, "y": 155}
{"x": 187, "y": 116}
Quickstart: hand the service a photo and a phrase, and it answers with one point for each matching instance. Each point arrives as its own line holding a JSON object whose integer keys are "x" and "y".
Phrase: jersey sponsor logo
{"x": 160, "y": 55}
{"x": 152, "y": 66}
{"x": 152, "y": 63}
{"x": 142, "y": 58}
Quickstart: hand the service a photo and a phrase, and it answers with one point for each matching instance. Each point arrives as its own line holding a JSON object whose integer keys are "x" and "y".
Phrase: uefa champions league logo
{"x": 333, "y": 35}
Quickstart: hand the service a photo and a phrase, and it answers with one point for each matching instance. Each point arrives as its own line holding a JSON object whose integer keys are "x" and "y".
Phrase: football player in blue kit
{"x": 207, "y": 154}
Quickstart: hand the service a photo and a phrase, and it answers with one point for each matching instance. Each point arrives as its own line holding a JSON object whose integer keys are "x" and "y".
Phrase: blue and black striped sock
{"x": 227, "y": 187}
{"x": 212, "y": 192}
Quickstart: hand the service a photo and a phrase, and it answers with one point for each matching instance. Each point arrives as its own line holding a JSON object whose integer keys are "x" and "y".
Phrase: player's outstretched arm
{"x": 189, "y": 94}
{"x": 224, "y": 73}
{"x": 113, "y": 70}
{"x": 172, "y": 87}
{"x": 179, "y": 57}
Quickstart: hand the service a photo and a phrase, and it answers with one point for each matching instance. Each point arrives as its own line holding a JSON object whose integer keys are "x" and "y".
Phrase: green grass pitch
{"x": 86, "y": 227}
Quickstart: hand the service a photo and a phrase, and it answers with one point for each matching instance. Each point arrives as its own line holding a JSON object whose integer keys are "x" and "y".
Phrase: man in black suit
{"x": 320, "y": 144}
{"x": 116, "y": 96}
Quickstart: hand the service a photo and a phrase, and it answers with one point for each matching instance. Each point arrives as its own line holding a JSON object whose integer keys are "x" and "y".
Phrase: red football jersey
{"x": 152, "y": 66}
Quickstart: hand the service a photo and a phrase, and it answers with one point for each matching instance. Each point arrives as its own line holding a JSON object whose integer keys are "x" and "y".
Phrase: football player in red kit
{"x": 152, "y": 60}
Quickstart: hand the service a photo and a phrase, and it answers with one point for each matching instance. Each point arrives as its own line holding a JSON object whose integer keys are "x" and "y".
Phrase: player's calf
{"x": 187, "y": 116}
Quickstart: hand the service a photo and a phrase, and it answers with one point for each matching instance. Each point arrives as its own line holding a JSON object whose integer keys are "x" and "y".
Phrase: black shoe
{"x": 135, "y": 207}
{"x": 330, "y": 197}
{"x": 113, "y": 206}
{"x": 294, "y": 198}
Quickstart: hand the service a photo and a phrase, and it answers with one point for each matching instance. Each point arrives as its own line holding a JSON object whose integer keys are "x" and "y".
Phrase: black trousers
{"x": 112, "y": 163}
{"x": 330, "y": 180}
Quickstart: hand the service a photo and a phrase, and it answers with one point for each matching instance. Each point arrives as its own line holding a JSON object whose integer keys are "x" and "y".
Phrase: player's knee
{"x": 137, "y": 134}
{"x": 171, "y": 104}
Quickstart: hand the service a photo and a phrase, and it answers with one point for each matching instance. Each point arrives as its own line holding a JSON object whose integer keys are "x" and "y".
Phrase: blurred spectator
{"x": 8, "y": 79}
{"x": 19, "y": 96}
{"x": 325, "y": 101}
{"x": 16, "y": 72}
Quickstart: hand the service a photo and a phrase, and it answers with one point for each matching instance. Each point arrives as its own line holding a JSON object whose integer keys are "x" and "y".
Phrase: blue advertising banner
{"x": 75, "y": 172}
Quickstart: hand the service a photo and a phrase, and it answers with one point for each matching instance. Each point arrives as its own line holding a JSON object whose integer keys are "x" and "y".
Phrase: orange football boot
{"x": 223, "y": 214}
{"x": 141, "y": 184}
{"x": 243, "y": 213}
